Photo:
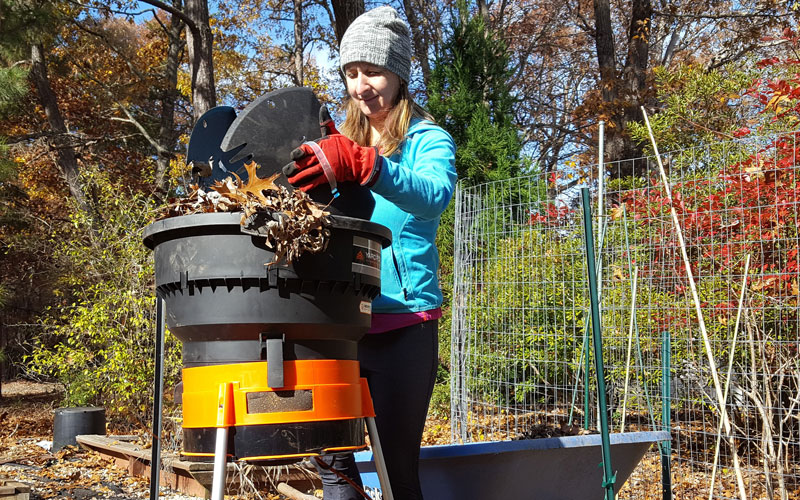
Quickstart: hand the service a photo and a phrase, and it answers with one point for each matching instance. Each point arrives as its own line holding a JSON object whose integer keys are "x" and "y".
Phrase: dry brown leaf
{"x": 256, "y": 186}
{"x": 291, "y": 221}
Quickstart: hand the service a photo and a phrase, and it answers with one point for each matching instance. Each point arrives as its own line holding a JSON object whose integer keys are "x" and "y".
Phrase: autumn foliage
{"x": 747, "y": 207}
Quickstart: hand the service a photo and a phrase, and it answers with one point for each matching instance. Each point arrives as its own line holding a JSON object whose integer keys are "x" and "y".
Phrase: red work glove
{"x": 349, "y": 162}
{"x": 326, "y": 125}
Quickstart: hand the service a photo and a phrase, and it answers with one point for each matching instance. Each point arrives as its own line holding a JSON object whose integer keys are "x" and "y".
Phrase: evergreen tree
{"x": 22, "y": 23}
{"x": 471, "y": 99}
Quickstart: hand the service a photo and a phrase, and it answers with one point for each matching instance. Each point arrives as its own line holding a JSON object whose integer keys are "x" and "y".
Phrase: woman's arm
{"x": 422, "y": 184}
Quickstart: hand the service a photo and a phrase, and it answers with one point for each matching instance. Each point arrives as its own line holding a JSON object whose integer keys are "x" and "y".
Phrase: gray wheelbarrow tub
{"x": 561, "y": 468}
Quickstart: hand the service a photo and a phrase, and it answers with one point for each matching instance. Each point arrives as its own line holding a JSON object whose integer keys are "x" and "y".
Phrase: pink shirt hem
{"x": 384, "y": 322}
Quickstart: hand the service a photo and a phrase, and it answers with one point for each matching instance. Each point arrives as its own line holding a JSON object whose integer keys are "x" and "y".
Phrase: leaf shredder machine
{"x": 269, "y": 349}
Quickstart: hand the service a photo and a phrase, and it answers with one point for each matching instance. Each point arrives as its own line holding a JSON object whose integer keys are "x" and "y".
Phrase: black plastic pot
{"x": 71, "y": 422}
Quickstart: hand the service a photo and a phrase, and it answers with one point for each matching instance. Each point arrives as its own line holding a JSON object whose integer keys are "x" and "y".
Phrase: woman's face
{"x": 375, "y": 89}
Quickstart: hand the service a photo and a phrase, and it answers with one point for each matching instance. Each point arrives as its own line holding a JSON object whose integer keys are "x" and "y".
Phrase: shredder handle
{"x": 275, "y": 362}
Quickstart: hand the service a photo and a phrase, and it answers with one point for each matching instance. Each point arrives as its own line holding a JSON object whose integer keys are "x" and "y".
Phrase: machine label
{"x": 365, "y": 307}
{"x": 366, "y": 257}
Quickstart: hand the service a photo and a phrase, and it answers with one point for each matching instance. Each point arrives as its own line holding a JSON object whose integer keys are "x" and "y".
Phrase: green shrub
{"x": 100, "y": 341}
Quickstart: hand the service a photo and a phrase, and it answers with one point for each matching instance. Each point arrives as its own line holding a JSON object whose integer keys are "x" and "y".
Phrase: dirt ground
{"x": 26, "y": 428}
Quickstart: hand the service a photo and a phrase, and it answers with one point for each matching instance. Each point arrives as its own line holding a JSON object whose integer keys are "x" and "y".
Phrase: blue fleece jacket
{"x": 413, "y": 188}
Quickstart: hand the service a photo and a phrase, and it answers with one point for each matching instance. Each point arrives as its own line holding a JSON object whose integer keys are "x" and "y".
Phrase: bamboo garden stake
{"x": 730, "y": 369}
{"x": 701, "y": 322}
{"x": 630, "y": 345}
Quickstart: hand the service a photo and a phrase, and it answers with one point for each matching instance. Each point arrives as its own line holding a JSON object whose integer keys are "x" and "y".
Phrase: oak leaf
{"x": 256, "y": 186}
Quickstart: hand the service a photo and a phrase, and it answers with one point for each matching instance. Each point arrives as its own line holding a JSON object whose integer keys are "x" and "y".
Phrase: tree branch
{"x": 177, "y": 13}
{"x": 718, "y": 17}
{"x": 111, "y": 47}
{"x": 726, "y": 59}
{"x": 133, "y": 121}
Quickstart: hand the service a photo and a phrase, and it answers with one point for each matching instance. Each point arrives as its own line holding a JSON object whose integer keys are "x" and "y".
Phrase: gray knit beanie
{"x": 378, "y": 37}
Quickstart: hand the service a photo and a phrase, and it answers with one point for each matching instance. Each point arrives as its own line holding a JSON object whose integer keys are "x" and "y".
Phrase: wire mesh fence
{"x": 698, "y": 307}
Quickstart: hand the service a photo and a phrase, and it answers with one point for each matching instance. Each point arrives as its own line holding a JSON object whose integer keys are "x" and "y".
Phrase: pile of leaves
{"x": 540, "y": 431}
{"x": 291, "y": 221}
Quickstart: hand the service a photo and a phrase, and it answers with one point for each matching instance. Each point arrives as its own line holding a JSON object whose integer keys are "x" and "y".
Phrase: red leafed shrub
{"x": 748, "y": 207}
{"x": 552, "y": 215}
{"x": 744, "y": 202}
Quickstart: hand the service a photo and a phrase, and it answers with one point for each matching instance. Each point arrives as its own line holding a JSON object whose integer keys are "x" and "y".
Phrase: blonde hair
{"x": 356, "y": 125}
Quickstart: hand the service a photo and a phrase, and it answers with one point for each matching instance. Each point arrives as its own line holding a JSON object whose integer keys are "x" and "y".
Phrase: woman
{"x": 392, "y": 146}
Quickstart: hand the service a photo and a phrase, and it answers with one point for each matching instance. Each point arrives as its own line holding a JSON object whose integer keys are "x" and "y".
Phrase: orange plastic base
{"x": 337, "y": 392}
{"x": 321, "y": 407}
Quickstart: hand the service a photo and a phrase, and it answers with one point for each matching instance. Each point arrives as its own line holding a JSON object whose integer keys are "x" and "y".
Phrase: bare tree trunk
{"x": 298, "y": 42}
{"x": 634, "y": 75}
{"x": 626, "y": 89}
{"x": 483, "y": 10}
{"x": 200, "y": 43}
{"x": 345, "y": 11}
{"x": 607, "y": 65}
{"x": 166, "y": 128}
{"x": 60, "y": 143}
{"x": 416, "y": 19}
{"x": 604, "y": 44}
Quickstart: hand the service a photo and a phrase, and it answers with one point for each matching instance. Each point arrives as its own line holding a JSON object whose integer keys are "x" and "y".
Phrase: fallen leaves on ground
{"x": 26, "y": 419}
{"x": 69, "y": 473}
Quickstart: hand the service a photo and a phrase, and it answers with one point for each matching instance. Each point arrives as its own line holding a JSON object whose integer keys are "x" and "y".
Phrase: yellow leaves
{"x": 617, "y": 274}
{"x": 776, "y": 101}
{"x": 764, "y": 283}
{"x": 617, "y": 212}
{"x": 184, "y": 85}
{"x": 756, "y": 170}
{"x": 726, "y": 97}
{"x": 178, "y": 168}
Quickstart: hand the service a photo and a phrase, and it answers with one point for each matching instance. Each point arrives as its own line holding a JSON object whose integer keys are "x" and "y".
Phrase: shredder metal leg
{"x": 220, "y": 462}
{"x": 224, "y": 420}
{"x": 377, "y": 455}
{"x": 158, "y": 390}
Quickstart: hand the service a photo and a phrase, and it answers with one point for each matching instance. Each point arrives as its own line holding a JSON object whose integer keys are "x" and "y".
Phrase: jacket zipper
{"x": 399, "y": 277}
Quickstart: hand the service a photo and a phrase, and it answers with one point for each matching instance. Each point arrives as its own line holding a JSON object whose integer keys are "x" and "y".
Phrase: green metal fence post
{"x": 608, "y": 477}
{"x": 587, "y": 355}
{"x": 666, "y": 418}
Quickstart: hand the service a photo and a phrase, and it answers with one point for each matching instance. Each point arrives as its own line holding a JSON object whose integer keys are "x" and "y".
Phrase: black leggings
{"x": 400, "y": 367}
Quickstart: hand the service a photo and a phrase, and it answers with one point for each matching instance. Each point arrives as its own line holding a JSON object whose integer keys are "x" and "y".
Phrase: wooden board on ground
{"x": 14, "y": 490}
{"x": 193, "y": 478}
